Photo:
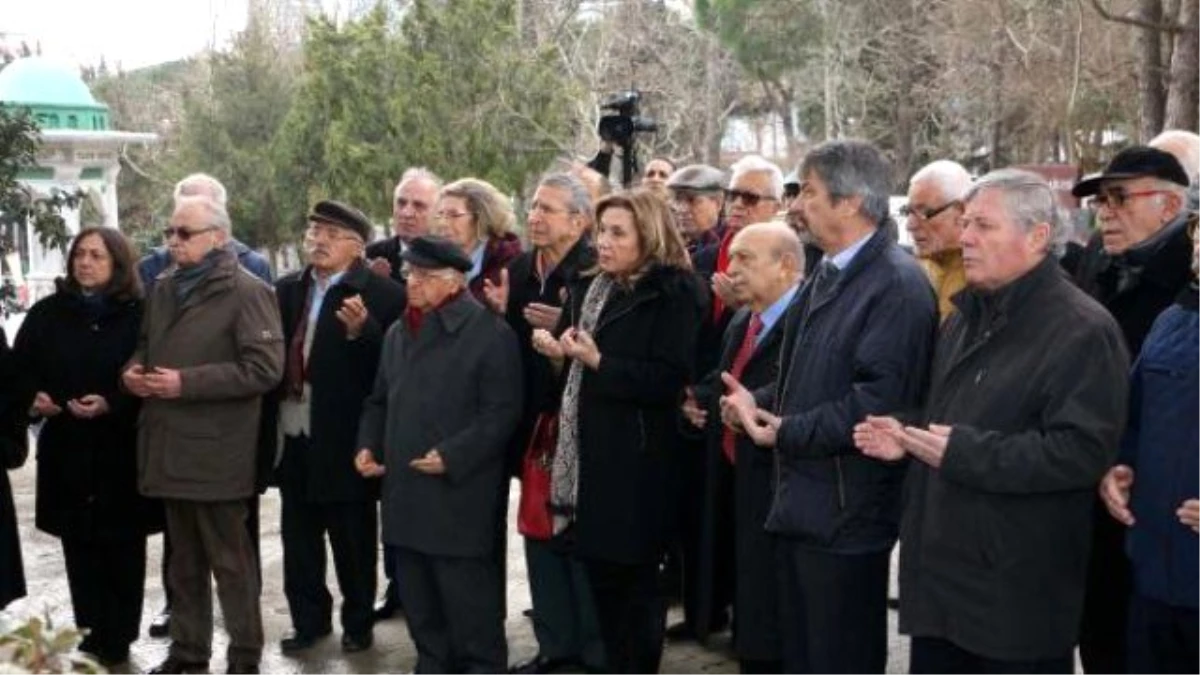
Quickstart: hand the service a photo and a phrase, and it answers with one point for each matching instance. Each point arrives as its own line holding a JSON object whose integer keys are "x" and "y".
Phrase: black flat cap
{"x": 1136, "y": 162}
{"x": 344, "y": 216}
{"x": 436, "y": 253}
{"x": 697, "y": 178}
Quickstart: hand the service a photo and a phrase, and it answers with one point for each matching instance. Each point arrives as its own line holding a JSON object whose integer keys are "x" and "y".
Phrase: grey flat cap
{"x": 697, "y": 178}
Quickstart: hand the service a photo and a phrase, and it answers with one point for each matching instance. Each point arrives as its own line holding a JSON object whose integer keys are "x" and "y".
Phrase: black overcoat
{"x": 628, "y": 414}
{"x": 994, "y": 544}
{"x": 87, "y": 468}
{"x": 341, "y": 373}
{"x": 756, "y": 589}
{"x": 13, "y": 449}
{"x": 454, "y": 386}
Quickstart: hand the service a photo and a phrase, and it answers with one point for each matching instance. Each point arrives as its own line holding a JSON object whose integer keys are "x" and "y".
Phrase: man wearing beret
{"x": 335, "y": 313}
{"x": 1135, "y": 265}
{"x": 447, "y": 398}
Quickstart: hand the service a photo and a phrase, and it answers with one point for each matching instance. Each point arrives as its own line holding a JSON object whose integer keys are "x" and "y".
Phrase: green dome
{"x": 36, "y": 80}
{"x": 53, "y": 93}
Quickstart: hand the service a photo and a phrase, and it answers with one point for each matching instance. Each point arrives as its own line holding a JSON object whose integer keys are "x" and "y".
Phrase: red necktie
{"x": 739, "y": 364}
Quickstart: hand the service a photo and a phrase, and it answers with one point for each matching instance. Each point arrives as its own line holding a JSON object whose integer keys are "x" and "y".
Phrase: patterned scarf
{"x": 564, "y": 471}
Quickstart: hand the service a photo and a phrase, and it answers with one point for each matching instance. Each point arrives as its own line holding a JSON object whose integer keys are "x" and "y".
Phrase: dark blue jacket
{"x": 861, "y": 348}
{"x": 158, "y": 260}
{"x": 1161, "y": 446}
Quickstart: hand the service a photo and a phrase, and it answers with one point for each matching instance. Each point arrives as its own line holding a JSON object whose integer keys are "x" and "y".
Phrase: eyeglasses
{"x": 450, "y": 215}
{"x": 924, "y": 213}
{"x": 748, "y": 199}
{"x": 1116, "y": 197}
{"x": 183, "y": 233}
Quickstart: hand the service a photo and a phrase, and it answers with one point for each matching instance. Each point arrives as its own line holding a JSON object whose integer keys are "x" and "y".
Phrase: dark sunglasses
{"x": 748, "y": 199}
{"x": 183, "y": 233}
{"x": 925, "y": 214}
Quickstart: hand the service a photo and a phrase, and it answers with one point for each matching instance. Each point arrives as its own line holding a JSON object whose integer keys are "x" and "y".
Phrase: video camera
{"x": 620, "y": 126}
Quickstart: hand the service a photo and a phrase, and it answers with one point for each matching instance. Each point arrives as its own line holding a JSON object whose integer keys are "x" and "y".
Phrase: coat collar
{"x": 1003, "y": 301}
{"x": 453, "y": 315}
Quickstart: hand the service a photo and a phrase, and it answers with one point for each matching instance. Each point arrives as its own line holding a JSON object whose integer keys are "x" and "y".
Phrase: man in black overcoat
{"x": 335, "y": 313}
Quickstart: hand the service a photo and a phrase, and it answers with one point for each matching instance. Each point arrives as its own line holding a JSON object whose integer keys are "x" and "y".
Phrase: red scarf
{"x": 722, "y": 265}
{"x": 414, "y": 318}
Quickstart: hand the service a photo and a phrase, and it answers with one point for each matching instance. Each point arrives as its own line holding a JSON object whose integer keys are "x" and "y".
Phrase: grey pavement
{"x": 393, "y": 651}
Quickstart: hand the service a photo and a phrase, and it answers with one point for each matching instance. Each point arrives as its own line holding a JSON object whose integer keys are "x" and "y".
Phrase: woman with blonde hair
{"x": 626, "y": 346}
{"x": 479, "y": 218}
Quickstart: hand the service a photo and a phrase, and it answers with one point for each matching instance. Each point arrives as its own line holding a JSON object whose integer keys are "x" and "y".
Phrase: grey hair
{"x": 580, "y": 201}
{"x": 201, "y": 184}
{"x": 951, "y": 179}
{"x": 218, "y": 217}
{"x": 1185, "y": 145}
{"x": 1029, "y": 201}
{"x": 419, "y": 173}
{"x": 758, "y": 164}
{"x": 852, "y": 168}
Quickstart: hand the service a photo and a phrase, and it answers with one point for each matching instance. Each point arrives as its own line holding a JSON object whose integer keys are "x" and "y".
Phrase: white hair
{"x": 758, "y": 164}
{"x": 952, "y": 180}
{"x": 218, "y": 217}
{"x": 419, "y": 173}
{"x": 204, "y": 185}
{"x": 1185, "y": 146}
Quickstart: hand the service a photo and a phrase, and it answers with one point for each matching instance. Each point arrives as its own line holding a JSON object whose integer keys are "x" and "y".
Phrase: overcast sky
{"x": 133, "y": 32}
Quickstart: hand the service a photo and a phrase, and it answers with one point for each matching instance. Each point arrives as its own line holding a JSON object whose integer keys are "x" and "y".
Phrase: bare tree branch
{"x": 1172, "y": 28}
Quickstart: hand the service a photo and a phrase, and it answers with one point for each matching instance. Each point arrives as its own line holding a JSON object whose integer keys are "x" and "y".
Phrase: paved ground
{"x": 393, "y": 651}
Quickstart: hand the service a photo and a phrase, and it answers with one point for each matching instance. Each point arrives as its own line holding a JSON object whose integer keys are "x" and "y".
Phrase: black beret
{"x": 1136, "y": 162}
{"x": 343, "y": 215}
{"x": 435, "y": 253}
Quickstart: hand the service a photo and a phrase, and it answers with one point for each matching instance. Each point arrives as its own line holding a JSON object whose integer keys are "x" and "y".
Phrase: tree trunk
{"x": 1152, "y": 95}
{"x": 1182, "y": 93}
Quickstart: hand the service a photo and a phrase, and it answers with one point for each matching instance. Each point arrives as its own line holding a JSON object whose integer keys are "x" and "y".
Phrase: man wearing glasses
{"x": 199, "y": 429}
{"x": 150, "y": 268}
{"x": 446, "y": 399}
{"x": 934, "y": 205}
{"x": 1135, "y": 265}
{"x": 157, "y": 261}
{"x": 335, "y": 313}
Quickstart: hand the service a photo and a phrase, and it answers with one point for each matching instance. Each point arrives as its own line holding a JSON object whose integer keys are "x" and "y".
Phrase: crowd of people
{"x": 731, "y": 388}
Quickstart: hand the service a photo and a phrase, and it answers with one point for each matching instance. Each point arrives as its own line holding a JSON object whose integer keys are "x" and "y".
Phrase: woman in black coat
{"x": 13, "y": 449}
{"x": 70, "y": 350}
{"x": 626, "y": 349}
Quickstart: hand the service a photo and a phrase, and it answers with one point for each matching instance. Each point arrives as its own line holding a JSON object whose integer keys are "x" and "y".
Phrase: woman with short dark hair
{"x": 70, "y": 351}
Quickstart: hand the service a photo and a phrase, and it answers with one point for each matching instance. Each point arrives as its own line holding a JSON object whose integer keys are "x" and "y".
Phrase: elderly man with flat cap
{"x": 1136, "y": 265}
{"x": 697, "y": 198}
{"x": 335, "y": 313}
{"x": 446, "y": 399}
